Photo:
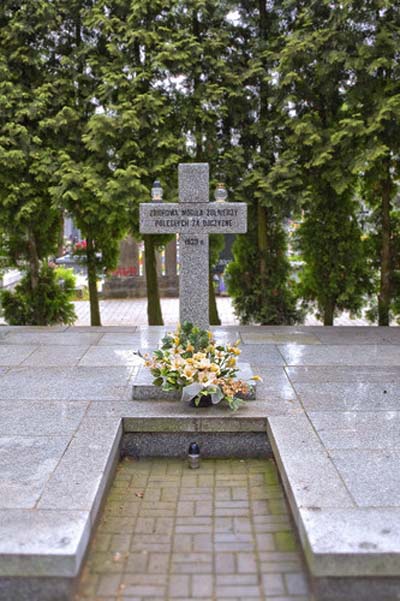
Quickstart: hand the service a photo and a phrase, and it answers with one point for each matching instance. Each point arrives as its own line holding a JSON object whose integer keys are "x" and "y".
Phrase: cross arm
{"x": 193, "y": 218}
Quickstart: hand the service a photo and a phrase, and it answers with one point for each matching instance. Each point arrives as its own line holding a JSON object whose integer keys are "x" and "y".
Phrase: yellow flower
{"x": 190, "y": 348}
{"x": 236, "y": 351}
{"x": 214, "y": 367}
{"x": 257, "y": 378}
{"x": 231, "y": 362}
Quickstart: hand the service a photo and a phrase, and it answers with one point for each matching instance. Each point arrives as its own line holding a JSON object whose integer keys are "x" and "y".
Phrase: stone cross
{"x": 193, "y": 218}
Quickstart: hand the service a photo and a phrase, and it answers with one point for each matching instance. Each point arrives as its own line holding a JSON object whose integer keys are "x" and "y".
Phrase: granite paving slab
{"x": 58, "y": 383}
{"x": 329, "y": 373}
{"x": 392, "y": 335}
{"x": 343, "y": 541}
{"x": 345, "y": 396}
{"x": 226, "y": 336}
{"x": 54, "y": 356}
{"x": 80, "y": 485}
{"x": 256, "y": 354}
{"x": 353, "y": 354}
{"x": 101, "y": 329}
{"x": 274, "y": 383}
{"x": 12, "y": 355}
{"x": 374, "y": 430}
{"x": 42, "y": 543}
{"x": 329, "y": 493}
{"x": 371, "y": 476}
{"x": 135, "y": 340}
{"x": 21, "y": 329}
{"x": 41, "y": 418}
{"x": 110, "y": 356}
{"x": 311, "y": 477}
{"x": 93, "y": 431}
{"x": 353, "y": 335}
{"x": 176, "y": 409}
{"x": 32, "y": 336}
{"x": 300, "y": 337}
{"x": 26, "y": 464}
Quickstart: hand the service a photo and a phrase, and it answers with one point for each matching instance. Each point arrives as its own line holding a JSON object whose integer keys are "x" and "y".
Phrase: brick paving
{"x": 170, "y": 533}
{"x": 133, "y": 312}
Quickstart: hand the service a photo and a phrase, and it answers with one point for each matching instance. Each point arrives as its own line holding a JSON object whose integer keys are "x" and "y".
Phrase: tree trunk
{"x": 384, "y": 296}
{"x": 92, "y": 283}
{"x": 329, "y": 312}
{"x": 34, "y": 264}
{"x": 212, "y": 302}
{"x": 154, "y": 315}
{"x": 34, "y": 268}
{"x": 60, "y": 244}
{"x": 262, "y": 233}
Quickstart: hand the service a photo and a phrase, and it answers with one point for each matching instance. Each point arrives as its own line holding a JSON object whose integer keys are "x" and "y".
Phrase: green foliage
{"x": 46, "y": 304}
{"x": 290, "y": 102}
{"x": 29, "y": 99}
{"x": 252, "y": 142}
{"x": 322, "y": 134}
{"x": 134, "y": 140}
{"x": 66, "y": 278}
{"x": 269, "y": 297}
{"x": 336, "y": 274}
{"x": 373, "y": 241}
{"x": 189, "y": 334}
{"x": 374, "y": 97}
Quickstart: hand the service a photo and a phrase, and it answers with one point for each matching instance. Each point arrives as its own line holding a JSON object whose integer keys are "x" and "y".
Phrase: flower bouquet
{"x": 191, "y": 361}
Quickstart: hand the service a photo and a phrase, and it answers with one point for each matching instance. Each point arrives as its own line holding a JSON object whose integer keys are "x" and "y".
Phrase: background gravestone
{"x": 126, "y": 281}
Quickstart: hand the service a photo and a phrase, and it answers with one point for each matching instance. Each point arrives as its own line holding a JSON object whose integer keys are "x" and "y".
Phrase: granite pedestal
{"x": 330, "y": 412}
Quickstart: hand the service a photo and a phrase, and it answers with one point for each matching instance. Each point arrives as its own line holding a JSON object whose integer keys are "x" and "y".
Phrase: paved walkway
{"x": 133, "y": 312}
{"x": 169, "y": 533}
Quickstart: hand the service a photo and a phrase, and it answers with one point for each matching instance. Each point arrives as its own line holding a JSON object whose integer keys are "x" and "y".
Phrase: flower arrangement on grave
{"x": 190, "y": 360}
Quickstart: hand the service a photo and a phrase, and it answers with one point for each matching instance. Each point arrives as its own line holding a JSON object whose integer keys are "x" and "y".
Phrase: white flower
{"x": 203, "y": 363}
{"x": 207, "y": 378}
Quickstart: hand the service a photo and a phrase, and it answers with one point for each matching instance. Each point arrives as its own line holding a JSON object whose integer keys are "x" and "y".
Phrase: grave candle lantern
{"x": 156, "y": 192}
{"x": 220, "y": 194}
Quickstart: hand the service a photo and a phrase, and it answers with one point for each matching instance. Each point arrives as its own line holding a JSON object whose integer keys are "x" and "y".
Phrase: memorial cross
{"x": 193, "y": 218}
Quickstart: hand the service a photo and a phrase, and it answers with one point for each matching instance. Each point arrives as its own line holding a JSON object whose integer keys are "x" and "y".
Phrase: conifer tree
{"x": 322, "y": 139}
{"x": 89, "y": 183}
{"x": 199, "y": 60}
{"x": 138, "y": 120}
{"x": 259, "y": 276}
{"x": 29, "y": 101}
{"x": 374, "y": 98}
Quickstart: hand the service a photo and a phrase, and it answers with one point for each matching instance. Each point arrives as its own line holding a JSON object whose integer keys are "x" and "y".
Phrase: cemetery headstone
{"x": 193, "y": 218}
